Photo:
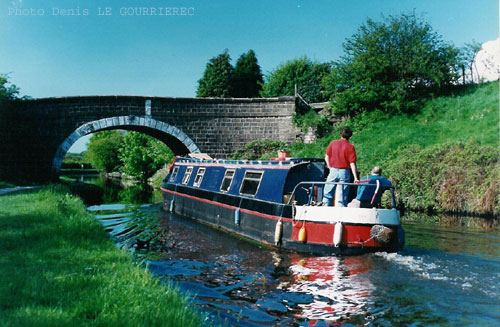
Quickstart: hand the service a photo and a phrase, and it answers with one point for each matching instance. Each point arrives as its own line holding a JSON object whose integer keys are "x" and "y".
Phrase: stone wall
{"x": 37, "y": 133}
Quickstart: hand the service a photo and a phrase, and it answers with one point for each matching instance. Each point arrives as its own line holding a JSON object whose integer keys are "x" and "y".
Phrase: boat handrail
{"x": 314, "y": 183}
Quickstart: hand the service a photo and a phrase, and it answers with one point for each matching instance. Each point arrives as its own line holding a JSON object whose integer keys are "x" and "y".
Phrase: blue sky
{"x": 49, "y": 54}
{"x": 54, "y": 55}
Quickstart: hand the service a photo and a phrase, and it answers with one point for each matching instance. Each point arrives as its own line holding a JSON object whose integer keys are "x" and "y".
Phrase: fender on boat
{"x": 337, "y": 234}
{"x": 278, "y": 233}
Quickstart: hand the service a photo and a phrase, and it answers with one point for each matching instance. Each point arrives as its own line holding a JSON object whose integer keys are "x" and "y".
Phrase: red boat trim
{"x": 228, "y": 206}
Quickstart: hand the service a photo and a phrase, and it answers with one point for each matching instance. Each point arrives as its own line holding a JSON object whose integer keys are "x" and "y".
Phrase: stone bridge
{"x": 36, "y": 134}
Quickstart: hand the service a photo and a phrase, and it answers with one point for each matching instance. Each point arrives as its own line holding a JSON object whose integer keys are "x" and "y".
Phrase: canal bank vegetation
{"x": 75, "y": 161}
{"x": 441, "y": 158}
{"x": 60, "y": 268}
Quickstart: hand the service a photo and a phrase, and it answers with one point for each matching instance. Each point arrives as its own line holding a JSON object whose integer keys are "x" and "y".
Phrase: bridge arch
{"x": 178, "y": 141}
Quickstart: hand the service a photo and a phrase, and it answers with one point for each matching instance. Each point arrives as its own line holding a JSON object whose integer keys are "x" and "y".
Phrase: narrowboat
{"x": 277, "y": 203}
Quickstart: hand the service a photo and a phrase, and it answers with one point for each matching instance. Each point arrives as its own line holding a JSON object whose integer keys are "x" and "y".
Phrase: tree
{"x": 217, "y": 78}
{"x": 468, "y": 59}
{"x": 7, "y": 92}
{"x": 143, "y": 155}
{"x": 247, "y": 78}
{"x": 391, "y": 66}
{"x": 302, "y": 72}
{"x": 102, "y": 151}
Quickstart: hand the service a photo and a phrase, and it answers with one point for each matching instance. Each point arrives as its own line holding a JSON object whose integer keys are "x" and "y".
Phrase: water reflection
{"x": 97, "y": 189}
{"x": 340, "y": 288}
{"x": 447, "y": 276}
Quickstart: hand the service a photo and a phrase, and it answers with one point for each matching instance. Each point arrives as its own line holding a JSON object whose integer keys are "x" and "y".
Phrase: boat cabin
{"x": 272, "y": 181}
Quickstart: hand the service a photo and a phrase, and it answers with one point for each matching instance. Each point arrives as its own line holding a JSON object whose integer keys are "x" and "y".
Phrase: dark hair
{"x": 346, "y": 132}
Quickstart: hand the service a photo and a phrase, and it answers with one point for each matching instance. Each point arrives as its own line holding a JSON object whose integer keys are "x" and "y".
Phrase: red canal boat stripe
{"x": 228, "y": 206}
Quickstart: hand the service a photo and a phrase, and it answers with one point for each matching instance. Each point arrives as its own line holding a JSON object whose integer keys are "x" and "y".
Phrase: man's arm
{"x": 354, "y": 170}
{"x": 327, "y": 160}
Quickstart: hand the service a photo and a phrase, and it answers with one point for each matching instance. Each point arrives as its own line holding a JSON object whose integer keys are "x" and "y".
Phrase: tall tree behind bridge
{"x": 217, "y": 78}
{"x": 247, "y": 80}
{"x": 391, "y": 66}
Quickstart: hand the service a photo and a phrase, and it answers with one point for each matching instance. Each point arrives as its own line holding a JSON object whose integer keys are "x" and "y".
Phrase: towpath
{"x": 8, "y": 190}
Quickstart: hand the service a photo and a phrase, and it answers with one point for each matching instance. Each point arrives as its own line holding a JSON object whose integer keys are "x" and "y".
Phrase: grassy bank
{"x": 470, "y": 114}
{"x": 59, "y": 268}
{"x": 434, "y": 156}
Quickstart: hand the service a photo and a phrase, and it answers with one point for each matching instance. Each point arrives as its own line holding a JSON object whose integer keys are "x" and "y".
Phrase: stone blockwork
{"x": 38, "y": 133}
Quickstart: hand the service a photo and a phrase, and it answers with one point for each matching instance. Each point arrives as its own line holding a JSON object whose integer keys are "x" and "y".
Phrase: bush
{"x": 102, "y": 151}
{"x": 460, "y": 177}
{"x": 314, "y": 120}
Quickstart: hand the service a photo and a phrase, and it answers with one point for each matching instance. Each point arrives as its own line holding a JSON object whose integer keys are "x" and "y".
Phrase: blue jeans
{"x": 337, "y": 175}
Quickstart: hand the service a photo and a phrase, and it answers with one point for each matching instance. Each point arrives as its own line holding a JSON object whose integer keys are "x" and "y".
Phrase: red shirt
{"x": 341, "y": 154}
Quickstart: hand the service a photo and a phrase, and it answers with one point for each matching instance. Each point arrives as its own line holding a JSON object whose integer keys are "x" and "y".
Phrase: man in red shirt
{"x": 340, "y": 158}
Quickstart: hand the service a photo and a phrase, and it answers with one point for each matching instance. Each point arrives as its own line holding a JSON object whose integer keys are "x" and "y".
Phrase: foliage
{"x": 461, "y": 177}
{"x": 158, "y": 177}
{"x": 102, "y": 151}
{"x": 63, "y": 270}
{"x": 260, "y": 149}
{"x": 304, "y": 73}
{"x": 8, "y": 91}
{"x": 247, "y": 77}
{"x": 470, "y": 114}
{"x": 6, "y": 184}
{"x": 391, "y": 66}
{"x": 143, "y": 155}
{"x": 312, "y": 119}
{"x": 467, "y": 58}
{"x": 75, "y": 160}
{"x": 217, "y": 78}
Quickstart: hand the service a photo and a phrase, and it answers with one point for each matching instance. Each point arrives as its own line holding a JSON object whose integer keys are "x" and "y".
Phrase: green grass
{"x": 472, "y": 114}
{"x": 60, "y": 268}
{"x": 6, "y": 185}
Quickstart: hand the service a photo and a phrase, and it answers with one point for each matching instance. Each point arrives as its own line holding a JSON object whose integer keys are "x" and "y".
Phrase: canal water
{"x": 447, "y": 275}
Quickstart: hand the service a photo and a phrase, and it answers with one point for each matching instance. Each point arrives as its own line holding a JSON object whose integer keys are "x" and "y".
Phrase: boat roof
{"x": 244, "y": 163}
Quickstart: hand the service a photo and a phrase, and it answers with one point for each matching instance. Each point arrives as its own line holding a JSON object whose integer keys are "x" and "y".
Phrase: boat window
{"x": 251, "y": 182}
{"x": 174, "y": 174}
{"x": 199, "y": 177}
{"x": 227, "y": 180}
{"x": 187, "y": 175}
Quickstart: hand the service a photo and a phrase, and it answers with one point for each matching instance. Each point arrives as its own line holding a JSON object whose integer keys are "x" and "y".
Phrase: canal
{"x": 447, "y": 275}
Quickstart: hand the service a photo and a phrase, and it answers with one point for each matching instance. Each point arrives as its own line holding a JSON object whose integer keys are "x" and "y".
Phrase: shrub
{"x": 260, "y": 149}
{"x": 314, "y": 120}
{"x": 460, "y": 177}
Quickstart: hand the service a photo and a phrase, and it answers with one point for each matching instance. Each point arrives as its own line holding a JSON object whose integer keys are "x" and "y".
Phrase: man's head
{"x": 377, "y": 171}
{"x": 346, "y": 132}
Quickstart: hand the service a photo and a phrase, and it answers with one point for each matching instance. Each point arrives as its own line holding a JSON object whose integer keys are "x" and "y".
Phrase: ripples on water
{"x": 445, "y": 277}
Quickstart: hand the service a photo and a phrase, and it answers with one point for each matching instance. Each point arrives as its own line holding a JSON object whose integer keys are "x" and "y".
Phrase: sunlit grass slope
{"x": 471, "y": 114}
